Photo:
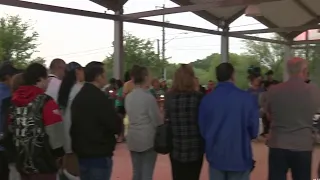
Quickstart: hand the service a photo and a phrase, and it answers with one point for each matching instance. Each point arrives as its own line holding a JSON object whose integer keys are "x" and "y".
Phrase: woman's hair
{"x": 17, "y": 81}
{"x": 139, "y": 75}
{"x": 33, "y": 74}
{"x": 119, "y": 83}
{"x": 67, "y": 83}
{"x": 184, "y": 79}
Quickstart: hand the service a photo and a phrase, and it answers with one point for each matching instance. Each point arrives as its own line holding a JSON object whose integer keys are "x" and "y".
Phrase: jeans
{"x": 228, "y": 175}
{"x": 281, "y": 160}
{"x": 186, "y": 170}
{"x": 96, "y": 168}
{"x": 143, "y": 164}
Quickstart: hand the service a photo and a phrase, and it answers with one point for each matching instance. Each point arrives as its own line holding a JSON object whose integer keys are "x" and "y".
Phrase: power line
{"x": 175, "y": 34}
{"x": 79, "y": 52}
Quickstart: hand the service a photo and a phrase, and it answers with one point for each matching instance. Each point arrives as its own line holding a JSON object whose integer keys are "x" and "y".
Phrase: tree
{"x": 138, "y": 52}
{"x": 39, "y": 60}
{"x": 17, "y": 40}
{"x": 269, "y": 55}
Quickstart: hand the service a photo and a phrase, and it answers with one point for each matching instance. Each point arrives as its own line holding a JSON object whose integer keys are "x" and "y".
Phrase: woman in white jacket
{"x": 70, "y": 86}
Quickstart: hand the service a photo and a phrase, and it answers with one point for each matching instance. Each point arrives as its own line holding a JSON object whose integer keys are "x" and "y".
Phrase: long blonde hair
{"x": 184, "y": 79}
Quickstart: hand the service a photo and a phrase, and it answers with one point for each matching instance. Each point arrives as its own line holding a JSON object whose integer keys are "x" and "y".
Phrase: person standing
{"x": 181, "y": 110}
{"x": 7, "y": 71}
{"x": 57, "y": 70}
{"x": 210, "y": 86}
{"x": 144, "y": 118}
{"x": 119, "y": 103}
{"x": 94, "y": 124}
{"x": 129, "y": 85}
{"x": 291, "y": 106}
{"x": 36, "y": 125}
{"x": 228, "y": 121}
{"x": 71, "y": 84}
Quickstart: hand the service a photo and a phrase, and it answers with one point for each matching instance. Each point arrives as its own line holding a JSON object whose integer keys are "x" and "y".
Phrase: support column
{"x": 118, "y": 55}
{"x": 225, "y": 45}
{"x": 288, "y": 54}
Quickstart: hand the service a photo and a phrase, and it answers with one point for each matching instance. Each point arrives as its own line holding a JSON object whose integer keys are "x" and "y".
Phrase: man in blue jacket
{"x": 228, "y": 121}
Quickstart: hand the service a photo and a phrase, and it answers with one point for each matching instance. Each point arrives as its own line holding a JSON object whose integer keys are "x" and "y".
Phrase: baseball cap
{"x": 7, "y": 69}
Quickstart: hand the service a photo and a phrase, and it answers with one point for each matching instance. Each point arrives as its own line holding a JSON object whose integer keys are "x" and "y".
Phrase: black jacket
{"x": 94, "y": 123}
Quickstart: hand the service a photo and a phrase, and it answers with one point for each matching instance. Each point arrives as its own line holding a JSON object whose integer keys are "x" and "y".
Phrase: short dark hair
{"x": 7, "y": 69}
{"x": 139, "y": 75}
{"x": 55, "y": 63}
{"x": 34, "y": 73}
{"x": 133, "y": 69}
{"x": 224, "y": 72}
{"x": 269, "y": 73}
{"x": 93, "y": 70}
{"x": 112, "y": 81}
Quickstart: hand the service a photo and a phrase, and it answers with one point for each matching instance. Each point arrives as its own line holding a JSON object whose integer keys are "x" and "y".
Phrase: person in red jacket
{"x": 210, "y": 86}
{"x": 36, "y": 127}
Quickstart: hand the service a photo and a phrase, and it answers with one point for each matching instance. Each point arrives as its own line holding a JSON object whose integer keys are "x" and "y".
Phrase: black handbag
{"x": 163, "y": 137}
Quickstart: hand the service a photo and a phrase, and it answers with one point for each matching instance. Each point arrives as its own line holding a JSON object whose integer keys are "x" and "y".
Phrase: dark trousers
{"x": 4, "y": 168}
{"x": 266, "y": 125}
{"x": 281, "y": 160}
{"x": 186, "y": 170}
{"x": 39, "y": 177}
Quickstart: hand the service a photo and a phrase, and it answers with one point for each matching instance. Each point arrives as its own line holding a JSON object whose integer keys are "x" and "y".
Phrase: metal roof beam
{"x": 294, "y": 34}
{"x": 280, "y": 29}
{"x": 270, "y": 24}
{"x": 306, "y": 8}
{"x": 173, "y": 10}
{"x": 63, "y": 10}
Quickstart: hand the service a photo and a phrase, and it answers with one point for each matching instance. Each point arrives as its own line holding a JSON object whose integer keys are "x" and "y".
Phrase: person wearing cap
{"x": 57, "y": 70}
{"x": 71, "y": 84}
{"x": 7, "y": 71}
{"x": 163, "y": 85}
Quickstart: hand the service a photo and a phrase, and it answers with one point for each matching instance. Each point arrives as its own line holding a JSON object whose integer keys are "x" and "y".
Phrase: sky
{"x": 83, "y": 39}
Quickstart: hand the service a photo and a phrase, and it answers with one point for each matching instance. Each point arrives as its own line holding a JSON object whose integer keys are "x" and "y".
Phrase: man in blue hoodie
{"x": 6, "y": 73}
{"x": 228, "y": 121}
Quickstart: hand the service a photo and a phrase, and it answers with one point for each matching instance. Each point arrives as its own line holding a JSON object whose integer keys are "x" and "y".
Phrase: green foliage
{"x": 39, "y": 60}
{"x": 268, "y": 55}
{"x": 138, "y": 52}
{"x": 17, "y": 40}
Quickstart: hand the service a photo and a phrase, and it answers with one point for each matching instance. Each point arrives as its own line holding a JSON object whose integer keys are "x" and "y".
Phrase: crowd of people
{"x": 65, "y": 124}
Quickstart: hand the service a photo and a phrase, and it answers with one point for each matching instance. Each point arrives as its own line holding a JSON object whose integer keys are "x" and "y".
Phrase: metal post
{"x": 163, "y": 46}
{"x": 287, "y": 57}
{"x": 225, "y": 45}
{"x": 118, "y": 60}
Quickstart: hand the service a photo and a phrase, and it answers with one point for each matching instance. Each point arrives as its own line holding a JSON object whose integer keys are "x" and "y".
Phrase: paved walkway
{"x": 122, "y": 164}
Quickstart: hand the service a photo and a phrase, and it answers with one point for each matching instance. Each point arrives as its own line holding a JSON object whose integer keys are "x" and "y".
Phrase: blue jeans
{"x": 143, "y": 164}
{"x": 228, "y": 175}
{"x": 95, "y": 168}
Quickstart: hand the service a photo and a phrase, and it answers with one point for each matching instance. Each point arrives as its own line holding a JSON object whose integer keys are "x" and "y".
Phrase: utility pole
{"x": 163, "y": 46}
{"x": 158, "y": 48}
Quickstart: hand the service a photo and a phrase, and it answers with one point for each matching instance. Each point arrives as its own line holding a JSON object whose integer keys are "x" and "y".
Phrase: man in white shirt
{"x": 57, "y": 69}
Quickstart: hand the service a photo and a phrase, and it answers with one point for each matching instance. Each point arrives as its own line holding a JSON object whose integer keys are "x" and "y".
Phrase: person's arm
{"x": 54, "y": 127}
{"x": 109, "y": 116}
{"x": 154, "y": 111}
{"x": 253, "y": 117}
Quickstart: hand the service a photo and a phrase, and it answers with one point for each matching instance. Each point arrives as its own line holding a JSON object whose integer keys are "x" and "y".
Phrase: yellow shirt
{"x": 128, "y": 87}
